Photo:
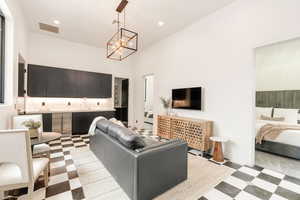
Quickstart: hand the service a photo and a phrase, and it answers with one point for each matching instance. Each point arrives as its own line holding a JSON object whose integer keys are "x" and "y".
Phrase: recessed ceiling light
{"x": 56, "y": 22}
{"x": 161, "y": 23}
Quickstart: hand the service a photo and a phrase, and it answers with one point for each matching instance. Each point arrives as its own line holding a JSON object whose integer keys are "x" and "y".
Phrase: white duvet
{"x": 291, "y": 137}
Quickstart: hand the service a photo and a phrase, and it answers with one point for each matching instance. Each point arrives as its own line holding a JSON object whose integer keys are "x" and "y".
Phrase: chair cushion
{"x": 38, "y": 165}
{"x": 103, "y": 125}
{"x": 41, "y": 148}
{"x": 10, "y": 174}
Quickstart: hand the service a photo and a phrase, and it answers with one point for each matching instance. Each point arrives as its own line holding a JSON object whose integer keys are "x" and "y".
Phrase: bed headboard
{"x": 278, "y": 99}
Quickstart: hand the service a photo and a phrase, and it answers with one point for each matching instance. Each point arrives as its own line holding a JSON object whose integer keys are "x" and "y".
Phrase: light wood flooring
{"x": 98, "y": 184}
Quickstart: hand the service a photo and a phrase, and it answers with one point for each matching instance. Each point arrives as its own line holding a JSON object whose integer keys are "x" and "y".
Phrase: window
{"x": 2, "y": 43}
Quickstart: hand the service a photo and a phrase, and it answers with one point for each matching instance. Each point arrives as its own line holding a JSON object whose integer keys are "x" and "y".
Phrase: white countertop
{"x": 68, "y": 110}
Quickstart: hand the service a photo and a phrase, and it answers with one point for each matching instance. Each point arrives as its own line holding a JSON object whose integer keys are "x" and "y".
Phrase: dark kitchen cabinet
{"x": 47, "y": 122}
{"x": 72, "y": 84}
{"x": 37, "y": 81}
{"x": 125, "y": 94}
{"x": 122, "y": 114}
{"x": 81, "y": 121}
{"x": 21, "y": 78}
{"x": 89, "y": 85}
{"x": 106, "y": 82}
{"x": 95, "y": 85}
{"x": 57, "y": 82}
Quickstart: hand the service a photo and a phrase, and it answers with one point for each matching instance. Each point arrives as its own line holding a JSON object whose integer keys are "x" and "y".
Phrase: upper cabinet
{"x": 57, "y": 82}
{"x": 37, "y": 81}
{"x": 90, "y": 84}
{"x": 21, "y": 76}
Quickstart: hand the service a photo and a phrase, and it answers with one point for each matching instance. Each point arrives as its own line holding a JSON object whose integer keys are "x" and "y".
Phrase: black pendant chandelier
{"x": 123, "y": 43}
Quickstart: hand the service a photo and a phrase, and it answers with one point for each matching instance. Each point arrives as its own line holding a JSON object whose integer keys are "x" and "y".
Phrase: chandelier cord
{"x": 118, "y": 22}
{"x": 125, "y": 18}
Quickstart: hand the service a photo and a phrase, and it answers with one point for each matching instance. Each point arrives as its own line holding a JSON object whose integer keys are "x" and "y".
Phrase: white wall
{"x": 52, "y": 51}
{"x": 16, "y": 43}
{"x": 278, "y": 66}
{"x": 217, "y": 53}
{"x": 55, "y": 52}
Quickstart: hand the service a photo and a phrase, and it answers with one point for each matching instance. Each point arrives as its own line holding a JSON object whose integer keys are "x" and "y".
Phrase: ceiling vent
{"x": 49, "y": 28}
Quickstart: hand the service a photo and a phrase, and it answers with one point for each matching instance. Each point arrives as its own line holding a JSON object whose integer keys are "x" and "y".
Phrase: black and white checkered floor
{"x": 255, "y": 183}
{"x": 246, "y": 183}
{"x": 63, "y": 181}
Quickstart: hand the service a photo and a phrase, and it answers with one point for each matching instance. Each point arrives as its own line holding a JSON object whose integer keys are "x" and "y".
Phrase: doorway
{"x": 148, "y": 103}
{"x": 121, "y": 95}
{"x": 277, "y": 107}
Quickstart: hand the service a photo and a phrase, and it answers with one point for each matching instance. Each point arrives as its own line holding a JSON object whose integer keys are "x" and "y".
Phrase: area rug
{"x": 203, "y": 175}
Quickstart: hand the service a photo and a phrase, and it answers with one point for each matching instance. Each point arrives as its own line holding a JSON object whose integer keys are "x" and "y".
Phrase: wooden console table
{"x": 195, "y": 132}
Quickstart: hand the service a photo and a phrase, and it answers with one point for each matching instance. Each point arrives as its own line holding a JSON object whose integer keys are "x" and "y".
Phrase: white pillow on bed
{"x": 290, "y": 115}
{"x": 266, "y": 111}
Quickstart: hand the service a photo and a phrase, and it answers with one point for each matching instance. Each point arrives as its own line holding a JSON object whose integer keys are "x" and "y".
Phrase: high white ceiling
{"x": 90, "y": 21}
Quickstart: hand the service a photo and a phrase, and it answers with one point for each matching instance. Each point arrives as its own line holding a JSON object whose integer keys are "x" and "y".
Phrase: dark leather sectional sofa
{"x": 144, "y": 168}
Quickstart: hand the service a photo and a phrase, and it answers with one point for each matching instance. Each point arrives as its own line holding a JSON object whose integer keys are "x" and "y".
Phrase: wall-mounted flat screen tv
{"x": 187, "y": 98}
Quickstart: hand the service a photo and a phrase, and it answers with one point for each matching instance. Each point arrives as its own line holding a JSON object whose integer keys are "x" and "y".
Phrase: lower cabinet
{"x": 72, "y": 123}
{"x": 81, "y": 121}
{"x": 62, "y": 123}
{"x": 47, "y": 122}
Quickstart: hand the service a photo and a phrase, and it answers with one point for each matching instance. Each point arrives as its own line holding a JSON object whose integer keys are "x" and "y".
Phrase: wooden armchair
{"x": 17, "y": 168}
{"x": 39, "y": 150}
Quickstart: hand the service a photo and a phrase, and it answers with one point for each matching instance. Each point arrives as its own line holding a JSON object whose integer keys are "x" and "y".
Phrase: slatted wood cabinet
{"x": 195, "y": 132}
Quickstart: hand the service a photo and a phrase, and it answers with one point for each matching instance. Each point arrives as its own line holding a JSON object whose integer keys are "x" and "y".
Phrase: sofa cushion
{"x": 113, "y": 130}
{"x": 139, "y": 143}
{"x": 156, "y": 145}
{"x": 130, "y": 140}
{"x": 126, "y": 137}
{"x": 103, "y": 125}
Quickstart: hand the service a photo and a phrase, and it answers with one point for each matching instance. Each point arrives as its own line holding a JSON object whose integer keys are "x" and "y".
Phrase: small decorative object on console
{"x": 33, "y": 127}
{"x": 166, "y": 104}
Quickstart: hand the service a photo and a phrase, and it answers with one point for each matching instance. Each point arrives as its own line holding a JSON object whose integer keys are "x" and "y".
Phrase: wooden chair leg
{"x": 30, "y": 190}
{"x": 48, "y": 156}
{"x": 1, "y": 194}
{"x": 46, "y": 176}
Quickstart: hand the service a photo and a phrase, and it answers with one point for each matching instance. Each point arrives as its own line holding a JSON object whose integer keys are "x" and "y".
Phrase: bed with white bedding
{"x": 288, "y": 141}
{"x": 291, "y": 137}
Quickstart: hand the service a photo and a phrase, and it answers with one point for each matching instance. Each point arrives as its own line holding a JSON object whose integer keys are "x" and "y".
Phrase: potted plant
{"x": 166, "y": 104}
{"x": 32, "y": 127}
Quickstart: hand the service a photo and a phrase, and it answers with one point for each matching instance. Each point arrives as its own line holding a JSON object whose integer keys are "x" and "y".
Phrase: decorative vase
{"x": 167, "y": 111}
{"x": 33, "y": 132}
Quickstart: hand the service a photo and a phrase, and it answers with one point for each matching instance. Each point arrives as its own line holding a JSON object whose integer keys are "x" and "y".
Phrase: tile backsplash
{"x": 34, "y": 104}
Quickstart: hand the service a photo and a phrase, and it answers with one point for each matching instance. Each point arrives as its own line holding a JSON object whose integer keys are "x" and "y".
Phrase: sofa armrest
{"x": 159, "y": 169}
